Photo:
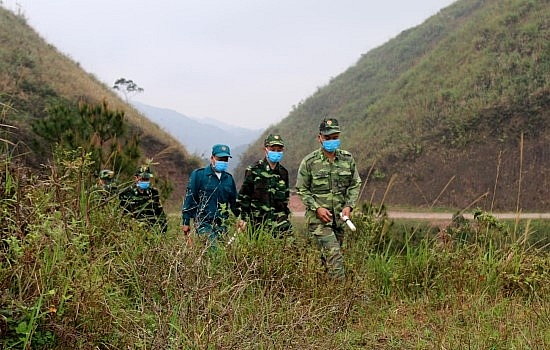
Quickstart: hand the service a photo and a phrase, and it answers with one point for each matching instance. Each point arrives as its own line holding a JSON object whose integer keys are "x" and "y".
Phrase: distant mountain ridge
{"x": 198, "y": 136}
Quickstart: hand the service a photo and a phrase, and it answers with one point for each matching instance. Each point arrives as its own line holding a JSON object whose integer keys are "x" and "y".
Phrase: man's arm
{"x": 303, "y": 186}
{"x": 124, "y": 200}
{"x": 352, "y": 193}
{"x": 233, "y": 197}
{"x": 287, "y": 192}
{"x": 244, "y": 196}
{"x": 190, "y": 204}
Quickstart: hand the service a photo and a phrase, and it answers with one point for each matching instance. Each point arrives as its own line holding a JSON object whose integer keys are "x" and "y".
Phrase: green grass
{"x": 76, "y": 273}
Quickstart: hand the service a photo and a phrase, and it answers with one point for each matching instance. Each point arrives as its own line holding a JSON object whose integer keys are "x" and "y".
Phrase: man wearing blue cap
{"x": 211, "y": 192}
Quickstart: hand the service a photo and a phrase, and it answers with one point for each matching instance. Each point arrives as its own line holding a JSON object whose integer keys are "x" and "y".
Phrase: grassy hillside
{"x": 32, "y": 73}
{"x": 77, "y": 274}
{"x": 453, "y": 112}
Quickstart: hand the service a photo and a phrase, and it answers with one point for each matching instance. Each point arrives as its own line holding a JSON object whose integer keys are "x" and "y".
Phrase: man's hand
{"x": 324, "y": 214}
{"x": 240, "y": 226}
{"x": 186, "y": 231}
{"x": 346, "y": 211}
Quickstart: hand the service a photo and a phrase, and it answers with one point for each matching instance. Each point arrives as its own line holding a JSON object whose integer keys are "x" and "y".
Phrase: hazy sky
{"x": 246, "y": 62}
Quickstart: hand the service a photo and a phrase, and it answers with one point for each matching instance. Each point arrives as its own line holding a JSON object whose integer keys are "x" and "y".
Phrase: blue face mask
{"x": 274, "y": 157}
{"x": 143, "y": 184}
{"x": 331, "y": 145}
{"x": 220, "y": 166}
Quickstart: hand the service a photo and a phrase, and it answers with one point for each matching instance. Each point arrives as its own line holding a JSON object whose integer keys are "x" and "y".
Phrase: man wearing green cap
{"x": 106, "y": 186}
{"x": 328, "y": 184}
{"x": 264, "y": 194}
{"x": 106, "y": 181}
{"x": 211, "y": 193}
{"x": 142, "y": 201}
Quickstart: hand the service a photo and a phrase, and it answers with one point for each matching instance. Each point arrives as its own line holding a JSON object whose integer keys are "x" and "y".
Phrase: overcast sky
{"x": 246, "y": 62}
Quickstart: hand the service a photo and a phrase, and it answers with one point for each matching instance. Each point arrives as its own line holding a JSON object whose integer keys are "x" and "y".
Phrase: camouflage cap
{"x": 273, "y": 140}
{"x": 144, "y": 172}
{"x": 106, "y": 174}
{"x": 329, "y": 126}
{"x": 220, "y": 150}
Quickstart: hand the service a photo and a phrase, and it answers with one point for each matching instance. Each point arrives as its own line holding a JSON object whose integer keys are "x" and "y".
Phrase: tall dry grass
{"x": 76, "y": 273}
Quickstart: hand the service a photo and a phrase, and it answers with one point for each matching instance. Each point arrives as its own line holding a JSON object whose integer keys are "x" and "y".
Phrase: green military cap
{"x": 220, "y": 150}
{"x": 106, "y": 174}
{"x": 329, "y": 126}
{"x": 273, "y": 140}
{"x": 144, "y": 172}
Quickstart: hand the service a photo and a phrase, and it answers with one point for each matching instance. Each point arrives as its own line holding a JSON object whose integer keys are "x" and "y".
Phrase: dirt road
{"x": 298, "y": 210}
{"x": 449, "y": 216}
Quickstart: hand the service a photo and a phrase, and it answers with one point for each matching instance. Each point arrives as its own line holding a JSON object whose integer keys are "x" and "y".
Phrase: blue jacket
{"x": 205, "y": 194}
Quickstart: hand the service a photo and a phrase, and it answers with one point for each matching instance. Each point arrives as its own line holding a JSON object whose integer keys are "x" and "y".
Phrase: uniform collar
{"x": 210, "y": 171}
{"x": 265, "y": 163}
{"x": 336, "y": 153}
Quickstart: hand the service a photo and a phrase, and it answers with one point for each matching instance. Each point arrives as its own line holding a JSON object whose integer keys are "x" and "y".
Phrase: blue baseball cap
{"x": 220, "y": 150}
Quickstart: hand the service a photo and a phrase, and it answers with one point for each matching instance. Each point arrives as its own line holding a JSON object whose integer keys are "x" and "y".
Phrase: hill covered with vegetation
{"x": 76, "y": 273}
{"x": 48, "y": 101}
{"x": 451, "y": 113}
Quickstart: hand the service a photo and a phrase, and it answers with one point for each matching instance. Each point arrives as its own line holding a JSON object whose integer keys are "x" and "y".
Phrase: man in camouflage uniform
{"x": 264, "y": 195}
{"x": 106, "y": 182}
{"x": 328, "y": 184}
{"x": 143, "y": 201}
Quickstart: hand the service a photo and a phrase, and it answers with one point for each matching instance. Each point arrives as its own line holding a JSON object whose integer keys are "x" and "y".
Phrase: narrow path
{"x": 449, "y": 216}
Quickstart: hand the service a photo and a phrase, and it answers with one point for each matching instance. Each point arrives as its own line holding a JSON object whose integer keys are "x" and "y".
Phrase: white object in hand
{"x": 348, "y": 222}
{"x": 232, "y": 239}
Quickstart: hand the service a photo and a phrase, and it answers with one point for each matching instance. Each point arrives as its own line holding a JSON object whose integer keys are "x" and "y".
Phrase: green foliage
{"x": 77, "y": 273}
{"x": 36, "y": 79}
{"x": 94, "y": 128}
{"x": 467, "y": 82}
{"x": 4, "y": 128}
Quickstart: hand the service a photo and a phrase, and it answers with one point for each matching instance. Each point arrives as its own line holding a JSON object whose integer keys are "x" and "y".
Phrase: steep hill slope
{"x": 32, "y": 72}
{"x": 453, "y": 112}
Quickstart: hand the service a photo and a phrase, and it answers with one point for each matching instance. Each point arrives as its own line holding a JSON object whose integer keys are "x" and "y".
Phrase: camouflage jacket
{"x": 331, "y": 185}
{"x": 106, "y": 191}
{"x": 264, "y": 194}
{"x": 144, "y": 206}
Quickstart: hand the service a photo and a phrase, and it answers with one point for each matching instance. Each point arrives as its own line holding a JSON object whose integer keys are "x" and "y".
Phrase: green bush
{"x": 77, "y": 273}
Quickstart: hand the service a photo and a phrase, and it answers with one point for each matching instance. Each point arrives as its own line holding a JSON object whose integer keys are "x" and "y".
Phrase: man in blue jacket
{"x": 211, "y": 193}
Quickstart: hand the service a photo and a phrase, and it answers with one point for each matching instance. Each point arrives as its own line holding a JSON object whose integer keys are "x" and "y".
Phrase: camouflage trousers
{"x": 329, "y": 238}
